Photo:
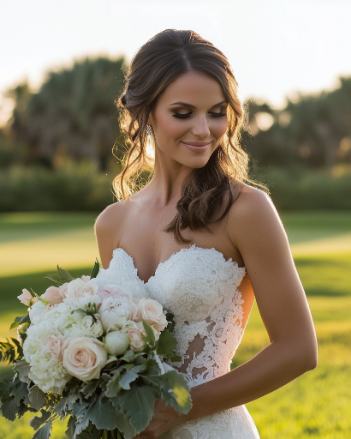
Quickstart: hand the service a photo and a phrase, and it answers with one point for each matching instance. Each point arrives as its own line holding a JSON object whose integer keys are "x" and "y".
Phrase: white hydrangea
{"x": 36, "y": 334}
{"x": 79, "y": 325}
{"x": 47, "y": 373}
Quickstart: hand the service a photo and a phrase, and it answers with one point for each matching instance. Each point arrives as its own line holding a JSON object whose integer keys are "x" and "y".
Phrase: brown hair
{"x": 208, "y": 189}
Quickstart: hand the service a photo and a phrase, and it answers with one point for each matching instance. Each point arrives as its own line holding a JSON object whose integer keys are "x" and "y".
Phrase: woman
{"x": 203, "y": 241}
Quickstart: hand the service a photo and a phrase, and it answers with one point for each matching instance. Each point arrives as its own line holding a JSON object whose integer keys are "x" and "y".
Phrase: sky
{"x": 276, "y": 48}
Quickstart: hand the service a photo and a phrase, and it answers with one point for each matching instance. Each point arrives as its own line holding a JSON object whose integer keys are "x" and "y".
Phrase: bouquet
{"x": 94, "y": 350}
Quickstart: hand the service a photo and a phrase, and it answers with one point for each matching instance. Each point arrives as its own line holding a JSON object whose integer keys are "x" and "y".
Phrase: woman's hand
{"x": 165, "y": 417}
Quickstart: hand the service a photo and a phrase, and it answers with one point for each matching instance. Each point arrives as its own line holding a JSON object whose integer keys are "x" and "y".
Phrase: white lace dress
{"x": 200, "y": 288}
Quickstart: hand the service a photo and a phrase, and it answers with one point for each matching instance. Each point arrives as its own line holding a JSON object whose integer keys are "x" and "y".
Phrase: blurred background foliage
{"x": 62, "y": 146}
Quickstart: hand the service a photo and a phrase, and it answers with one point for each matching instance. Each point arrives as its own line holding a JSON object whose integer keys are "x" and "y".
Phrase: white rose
{"x": 152, "y": 313}
{"x": 84, "y": 358}
{"x": 116, "y": 342}
{"x": 77, "y": 289}
{"x": 115, "y": 313}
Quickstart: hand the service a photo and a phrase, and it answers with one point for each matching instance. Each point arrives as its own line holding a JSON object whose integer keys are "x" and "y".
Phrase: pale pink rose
{"x": 85, "y": 278}
{"x": 63, "y": 289}
{"x": 136, "y": 312}
{"x": 84, "y": 358}
{"x": 113, "y": 290}
{"x": 136, "y": 342}
{"x": 52, "y": 295}
{"x": 77, "y": 289}
{"x": 25, "y": 297}
{"x": 54, "y": 345}
{"x": 152, "y": 313}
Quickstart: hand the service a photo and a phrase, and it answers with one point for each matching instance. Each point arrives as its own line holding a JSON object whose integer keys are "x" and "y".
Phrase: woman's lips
{"x": 197, "y": 146}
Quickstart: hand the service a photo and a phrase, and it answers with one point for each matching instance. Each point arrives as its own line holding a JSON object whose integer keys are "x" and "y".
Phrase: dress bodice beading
{"x": 200, "y": 288}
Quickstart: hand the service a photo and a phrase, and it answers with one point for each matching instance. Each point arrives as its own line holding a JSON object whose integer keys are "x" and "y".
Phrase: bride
{"x": 203, "y": 241}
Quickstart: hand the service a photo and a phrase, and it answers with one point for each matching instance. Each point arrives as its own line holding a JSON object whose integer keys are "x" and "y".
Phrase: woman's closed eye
{"x": 186, "y": 115}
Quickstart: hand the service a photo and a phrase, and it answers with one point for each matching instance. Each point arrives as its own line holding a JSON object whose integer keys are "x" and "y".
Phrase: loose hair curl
{"x": 207, "y": 190}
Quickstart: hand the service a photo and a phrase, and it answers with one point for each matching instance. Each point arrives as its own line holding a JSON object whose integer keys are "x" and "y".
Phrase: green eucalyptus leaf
{"x": 22, "y": 368}
{"x": 36, "y": 397}
{"x": 43, "y": 432}
{"x": 36, "y": 422}
{"x": 166, "y": 343}
{"x": 123, "y": 422}
{"x": 60, "y": 408}
{"x": 71, "y": 426}
{"x": 102, "y": 414}
{"x": 89, "y": 388}
{"x": 138, "y": 403}
{"x": 130, "y": 376}
{"x": 174, "y": 389}
{"x": 9, "y": 408}
{"x": 113, "y": 385}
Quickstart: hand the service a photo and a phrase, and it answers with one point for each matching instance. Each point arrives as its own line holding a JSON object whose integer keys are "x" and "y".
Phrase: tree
{"x": 72, "y": 113}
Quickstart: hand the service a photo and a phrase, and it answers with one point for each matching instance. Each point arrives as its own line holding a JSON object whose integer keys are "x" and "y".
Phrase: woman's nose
{"x": 200, "y": 128}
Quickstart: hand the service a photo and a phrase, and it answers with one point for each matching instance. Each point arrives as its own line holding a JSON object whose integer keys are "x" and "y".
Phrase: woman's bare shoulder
{"x": 253, "y": 212}
{"x": 108, "y": 229}
{"x": 111, "y": 216}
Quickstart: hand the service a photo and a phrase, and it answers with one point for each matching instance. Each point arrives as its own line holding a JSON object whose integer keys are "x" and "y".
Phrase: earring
{"x": 148, "y": 130}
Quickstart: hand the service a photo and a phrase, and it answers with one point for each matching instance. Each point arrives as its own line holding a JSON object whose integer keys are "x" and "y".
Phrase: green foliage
{"x": 69, "y": 188}
{"x": 95, "y": 269}
{"x": 60, "y": 277}
{"x": 11, "y": 350}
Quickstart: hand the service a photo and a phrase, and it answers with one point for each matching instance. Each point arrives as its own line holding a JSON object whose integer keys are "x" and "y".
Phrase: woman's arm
{"x": 256, "y": 231}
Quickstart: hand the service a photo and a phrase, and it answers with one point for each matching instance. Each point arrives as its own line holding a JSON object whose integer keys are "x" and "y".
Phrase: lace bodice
{"x": 200, "y": 287}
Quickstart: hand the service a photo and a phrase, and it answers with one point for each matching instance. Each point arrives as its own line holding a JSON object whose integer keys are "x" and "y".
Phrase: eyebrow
{"x": 184, "y": 104}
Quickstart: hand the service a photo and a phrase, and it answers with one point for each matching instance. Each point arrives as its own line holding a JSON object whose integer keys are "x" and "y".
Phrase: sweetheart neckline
{"x": 192, "y": 247}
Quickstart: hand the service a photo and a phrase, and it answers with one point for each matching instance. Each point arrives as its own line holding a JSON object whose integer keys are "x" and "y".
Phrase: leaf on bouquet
{"x": 174, "y": 389}
{"x": 150, "y": 338}
{"x": 22, "y": 368}
{"x": 130, "y": 376}
{"x": 130, "y": 356}
{"x": 102, "y": 414}
{"x": 112, "y": 387}
{"x": 8, "y": 408}
{"x": 19, "y": 320}
{"x": 60, "y": 277}
{"x": 36, "y": 397}
{"x": 124, "y": 424}
{"x": 89, "y": 388}
{"x": 166, "y": 343}
{"x": 44, "y": 432}
{"x": 71, "y": 427}
{"x": 138, "y": 403}
{"x": 12, "y": 392}
{"x": 95, "y": 270}
{"x": 36, "y": 422}
{"x": 170, "y": 319}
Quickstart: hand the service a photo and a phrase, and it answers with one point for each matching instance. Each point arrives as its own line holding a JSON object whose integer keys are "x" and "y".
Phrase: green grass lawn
{"x": 315, "y": 405}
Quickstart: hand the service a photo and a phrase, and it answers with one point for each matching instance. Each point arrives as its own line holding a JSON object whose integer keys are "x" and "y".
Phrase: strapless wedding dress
{"x": 200, "y": 288}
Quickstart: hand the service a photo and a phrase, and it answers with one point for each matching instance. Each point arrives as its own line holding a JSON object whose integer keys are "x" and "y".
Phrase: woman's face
{"x": 189, "y": 119}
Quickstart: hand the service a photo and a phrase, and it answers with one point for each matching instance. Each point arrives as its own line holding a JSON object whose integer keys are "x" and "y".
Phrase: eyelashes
{"x": 187, "y": 115}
